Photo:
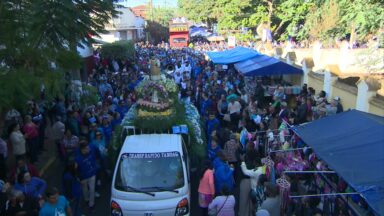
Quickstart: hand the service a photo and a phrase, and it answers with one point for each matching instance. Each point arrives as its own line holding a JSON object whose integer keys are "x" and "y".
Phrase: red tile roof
{"x": 140, "y": 10}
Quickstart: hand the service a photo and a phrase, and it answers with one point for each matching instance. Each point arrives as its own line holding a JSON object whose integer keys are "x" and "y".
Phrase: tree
{"x": 329, "y": 19}
{"x": 158, "y": 23}
{"x": 206, "y": 11}
{"x": 309, "y": 19}
{"x": 119, "y": 50}
{"x": 35, "y": 34}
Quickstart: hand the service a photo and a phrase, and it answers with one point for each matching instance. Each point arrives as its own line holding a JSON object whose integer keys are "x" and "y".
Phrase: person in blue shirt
{"x": 213, "y": 146}
{"x": 92, "y": 131}
{"x": 117, "y": 119}
{"x": 223, "y": 173}
{"x": 212, "y": 124}
{"x": 206, "y": 104}
{"x": 86, "y": 160}
{"x": 73, "y": 123}
{"x": 107, "y": 130}
{"x": 55, "y": 205}
{"x": 122, "y": 108}
{"x": 72, "y": 187}
{"x": 31, "y": 186}
{"x": 197, "y": 70}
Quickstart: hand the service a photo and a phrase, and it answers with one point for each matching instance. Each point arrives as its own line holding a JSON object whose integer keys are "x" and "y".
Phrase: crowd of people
{"x": 246, "y": 128}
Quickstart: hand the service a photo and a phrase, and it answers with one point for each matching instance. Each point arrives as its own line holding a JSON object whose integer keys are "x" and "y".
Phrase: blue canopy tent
{"x": 237, "y": 54}
{"x": 196, "y": 31}
{"x": 263, "y": 65}
{"x": 352, "y": 144}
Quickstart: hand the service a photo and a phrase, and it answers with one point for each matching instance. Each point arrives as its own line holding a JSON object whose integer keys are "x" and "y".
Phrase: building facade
{"x": 127, "y": 26}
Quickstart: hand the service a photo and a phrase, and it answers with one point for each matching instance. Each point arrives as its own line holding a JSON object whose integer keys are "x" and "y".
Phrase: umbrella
{"x": 232, "y": 97}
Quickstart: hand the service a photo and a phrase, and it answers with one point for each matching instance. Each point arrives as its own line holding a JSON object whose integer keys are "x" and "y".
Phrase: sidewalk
{"x": 47, "y": 157}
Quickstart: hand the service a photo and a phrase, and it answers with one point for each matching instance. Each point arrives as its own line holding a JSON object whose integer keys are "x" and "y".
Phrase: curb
{"x": 47, "y": 165}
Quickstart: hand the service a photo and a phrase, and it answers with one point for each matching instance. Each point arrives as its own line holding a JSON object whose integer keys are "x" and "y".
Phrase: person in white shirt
{"x": 179, "y": 68}
{"x": 234, "y": 110}
{"x": 17, "y": 140}
{"x": 234, "y": 107}
{"x": 178, "y": 77}
{"x": 187, "y": 67}
{"x": 58, "y": 129}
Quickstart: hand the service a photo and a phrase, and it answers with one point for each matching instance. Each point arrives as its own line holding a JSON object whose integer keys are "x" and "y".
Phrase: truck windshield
{"x": 150, "y": 172}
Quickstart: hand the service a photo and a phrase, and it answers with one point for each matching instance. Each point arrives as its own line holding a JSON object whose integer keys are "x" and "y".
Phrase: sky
{"x": 162, "y": 3}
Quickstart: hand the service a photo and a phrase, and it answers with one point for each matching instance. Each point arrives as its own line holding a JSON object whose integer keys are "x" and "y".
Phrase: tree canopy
{"x": 303, "y": 19}
{"x": 35, "y": 34}
{"x": 119, "y": 50}
{"x": 158, "y": 23}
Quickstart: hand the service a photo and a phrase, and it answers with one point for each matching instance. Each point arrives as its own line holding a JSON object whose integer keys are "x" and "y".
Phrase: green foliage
{"x": 248, "y": 36}
{"x": 310, "y": 19}
{"x": 158, "y": 24}
{"x": 162, "y": 15}
{"x": 206, "y": 11}
{"x": 119, "y": 49}
{"x": 20, "y": 86}
{"x": 152, "y": 123}
{"x": 90, "y": 96}
{"x": 35, "y": 34}
{"x": 68, "y": 60}
{"x": 115, "y": 146}
{"x": 157, "y": 32}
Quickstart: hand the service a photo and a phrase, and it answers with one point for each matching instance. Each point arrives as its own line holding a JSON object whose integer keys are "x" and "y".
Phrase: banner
{"x": 231, "y": 41}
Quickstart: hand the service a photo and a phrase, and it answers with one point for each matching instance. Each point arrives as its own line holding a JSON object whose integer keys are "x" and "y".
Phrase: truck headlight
{"x": 115, "y": 209}
{"x": 182, "y": 207}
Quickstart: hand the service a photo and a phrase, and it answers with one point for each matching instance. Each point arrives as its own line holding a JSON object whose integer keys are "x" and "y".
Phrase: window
{"x": 179, "y": 40}
{"x": 150, "y": 171}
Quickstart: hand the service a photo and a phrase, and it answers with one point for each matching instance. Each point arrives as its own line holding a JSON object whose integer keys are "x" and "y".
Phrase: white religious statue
{"x": 155, "y": 98}
{"x": 155, "y": 69}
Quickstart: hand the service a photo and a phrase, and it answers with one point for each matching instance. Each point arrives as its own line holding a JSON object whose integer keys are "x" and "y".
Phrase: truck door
{"x": 186, "y": 159}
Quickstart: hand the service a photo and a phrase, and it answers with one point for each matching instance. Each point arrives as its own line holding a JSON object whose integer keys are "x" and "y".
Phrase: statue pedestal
{"x": 155, "y": 77}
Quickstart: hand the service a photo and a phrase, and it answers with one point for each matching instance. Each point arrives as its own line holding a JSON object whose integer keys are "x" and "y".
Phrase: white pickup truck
{"x": 151, "y": 177}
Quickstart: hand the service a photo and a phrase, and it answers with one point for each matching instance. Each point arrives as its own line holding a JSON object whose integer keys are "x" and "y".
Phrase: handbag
{"x": 214, "y": 212}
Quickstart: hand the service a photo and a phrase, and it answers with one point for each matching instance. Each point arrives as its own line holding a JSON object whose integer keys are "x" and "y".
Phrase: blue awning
{"x": 237, "y": 54}
{"x": 352, "y": 144}
{"x": 196, "y": 31}
{"x": 263, "y": 65}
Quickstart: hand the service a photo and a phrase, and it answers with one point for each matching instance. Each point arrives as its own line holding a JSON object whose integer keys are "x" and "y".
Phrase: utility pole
{"x": 151, "y": 5}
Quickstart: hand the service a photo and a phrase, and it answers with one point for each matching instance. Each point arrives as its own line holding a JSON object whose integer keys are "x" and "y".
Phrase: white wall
{"x": 140, "y": 24}
{"x": 85, "y": 51}
{"x": 125, "y": 20}
{"x": 110, "y": 37}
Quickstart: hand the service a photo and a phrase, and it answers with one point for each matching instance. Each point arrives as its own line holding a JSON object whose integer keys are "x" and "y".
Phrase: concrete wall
{"x": 347, "y": 94}
{"x": 344, "y": 58}
{"x": 315, "y": 81}
{"x": 293, "y": 79}
{"x": 322, "y": 67}
{"x": 376, "y": 105}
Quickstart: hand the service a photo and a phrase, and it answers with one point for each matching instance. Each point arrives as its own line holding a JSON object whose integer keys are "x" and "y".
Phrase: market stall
{"x": 352, "y": 144}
